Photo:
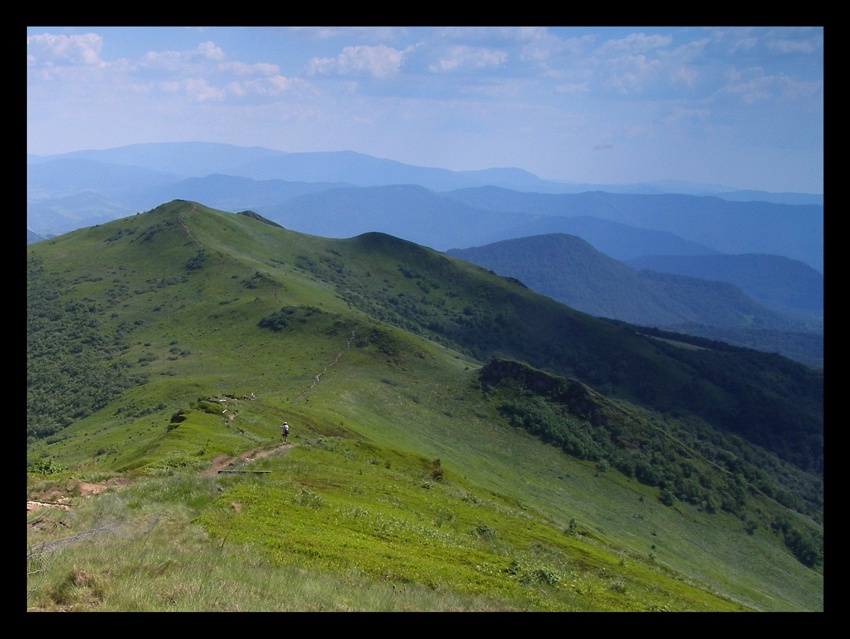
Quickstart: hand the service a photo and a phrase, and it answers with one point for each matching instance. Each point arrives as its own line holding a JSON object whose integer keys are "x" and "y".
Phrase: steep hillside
{"x": 775, "y": 281}
{"x": 569, "y": 270}
{"x": 541, "y": 485}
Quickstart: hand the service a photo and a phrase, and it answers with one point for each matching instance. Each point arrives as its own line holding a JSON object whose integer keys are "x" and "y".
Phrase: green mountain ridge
{"x": 466, "y": 383}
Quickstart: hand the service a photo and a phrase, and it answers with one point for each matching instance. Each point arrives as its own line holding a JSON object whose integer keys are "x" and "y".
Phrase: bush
{"x": 45, "y": 467}
{"x": 437, "y": 472}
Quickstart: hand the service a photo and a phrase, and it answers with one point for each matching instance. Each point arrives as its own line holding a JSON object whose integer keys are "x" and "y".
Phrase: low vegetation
{"x": 441, "y": 458}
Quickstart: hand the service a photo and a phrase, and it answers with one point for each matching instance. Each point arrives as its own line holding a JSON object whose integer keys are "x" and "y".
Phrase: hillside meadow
{"x": 404, "y": 486}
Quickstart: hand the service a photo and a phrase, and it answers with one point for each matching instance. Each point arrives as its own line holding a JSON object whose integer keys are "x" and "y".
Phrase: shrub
{"x": 45, "y": 467}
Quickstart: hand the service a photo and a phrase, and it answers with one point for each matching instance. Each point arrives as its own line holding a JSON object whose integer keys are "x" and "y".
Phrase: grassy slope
{"x": 367, "y": 431}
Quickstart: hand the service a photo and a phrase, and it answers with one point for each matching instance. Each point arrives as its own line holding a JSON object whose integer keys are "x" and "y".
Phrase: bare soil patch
{"x": 62, "y": 499}
{"x": 223, "y": 462}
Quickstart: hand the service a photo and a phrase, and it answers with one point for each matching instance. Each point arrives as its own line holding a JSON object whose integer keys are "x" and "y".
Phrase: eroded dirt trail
{"x": 223, "y": 462}
{"x": 63, "y": 499}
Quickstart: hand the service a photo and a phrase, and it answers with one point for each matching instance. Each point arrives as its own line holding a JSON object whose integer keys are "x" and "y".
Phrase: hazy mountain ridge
{"x": 795, "y": 231}
{"x": 761, "y": 227}
{"x": 92, "y": 187}
{"x": 410, "y": 212}
{"x": 34, "y": 237}
{"x": 64, "y": 177}
{"x": 191, "y": 298}
{"x": 199, "y": 159}
{"x": 182, "y": 159}
{"x": 619, "y": 241}
{"x": 773, "y": 280}
{"x": 571, "y": 271}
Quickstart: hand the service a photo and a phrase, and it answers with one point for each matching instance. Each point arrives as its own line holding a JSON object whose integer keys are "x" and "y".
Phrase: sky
{"x": 738, "y": 107}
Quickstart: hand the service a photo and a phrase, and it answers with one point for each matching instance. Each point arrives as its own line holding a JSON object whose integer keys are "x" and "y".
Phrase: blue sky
{"x": 734, "y": 106}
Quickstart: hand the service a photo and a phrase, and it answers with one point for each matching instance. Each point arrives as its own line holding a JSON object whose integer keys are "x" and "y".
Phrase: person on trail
{"x": 284, "y": 431}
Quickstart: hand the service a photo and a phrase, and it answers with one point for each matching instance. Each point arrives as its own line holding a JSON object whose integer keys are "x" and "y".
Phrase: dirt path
{"x": 62, "y": 499}
{"x": 318, "y": 376}
{"x": 225, "y": 461}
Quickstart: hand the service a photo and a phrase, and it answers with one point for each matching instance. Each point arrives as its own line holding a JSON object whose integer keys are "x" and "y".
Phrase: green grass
{"x": 406, "y": 488}
{"x": 333, "y": 512}
{"x": 341, "y": 505}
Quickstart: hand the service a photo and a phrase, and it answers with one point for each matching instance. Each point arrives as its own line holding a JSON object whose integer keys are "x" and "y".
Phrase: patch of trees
{"x": 71, "y": 371}
{"x": 687, "y": 461}
{"x": 283, "y": 317}
{"x": 196, "y": 262}
{"x": 805, "y": 544}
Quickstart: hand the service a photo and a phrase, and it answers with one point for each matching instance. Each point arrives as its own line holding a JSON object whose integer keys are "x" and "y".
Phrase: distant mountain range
{"x": 777, "y": 282}
{"x": 757, "y": 300}
{"x": 199, "y": 159}
{"x": 570, "y": 270}
{"x": 795, "y": 231}
{"x": 768, "y": 246}
{"x": 344, "y": 194}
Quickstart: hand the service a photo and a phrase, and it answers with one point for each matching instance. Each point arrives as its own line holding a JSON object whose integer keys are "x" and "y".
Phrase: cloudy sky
{"x": 739, "y": 107}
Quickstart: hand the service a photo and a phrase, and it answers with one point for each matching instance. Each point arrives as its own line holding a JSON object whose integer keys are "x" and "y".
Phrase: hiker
{"x": 284, "y": 431}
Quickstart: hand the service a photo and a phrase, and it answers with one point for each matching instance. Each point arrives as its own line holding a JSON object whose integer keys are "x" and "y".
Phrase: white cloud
{"x": 468, "y": 58}
{"x": 631, "y": 72}
{"x": 360, "y": 33}
{"x": 61, "y": 49}
{"x": 237, "y": 89}
{"x": 210, "y": 51}
{"x": 200, "y": 91}
{"x": 241, "y": 68}
{"x": 750, "y": 85}
{"x": 742, "y": 42}
{"x": 792, "y": 46}
{"x": 280, "y": 83}
{"x": 379, "y": 61}
{"x": 684, "y": 75}
{"x": 265, "y": 86}
{"x": 176, "y": 60}
{"x": 795, "y": 89}
{"x": 577, "y": 88}
{"x": 202, "y": 74}
{"x": 548, "y": 48}
{"x": 633, "y": 44}
{"x": 166, "y": 60}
